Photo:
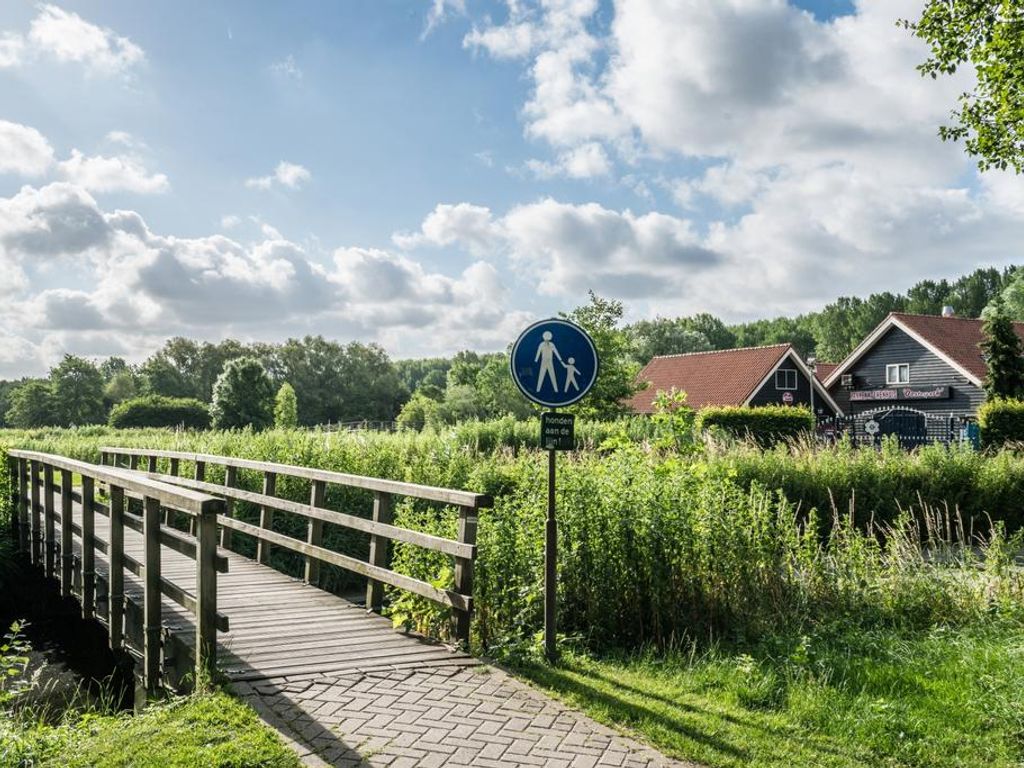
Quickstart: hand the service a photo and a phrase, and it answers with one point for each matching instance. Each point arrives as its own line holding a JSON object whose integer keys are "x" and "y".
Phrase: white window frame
{"x": 890, "y": 381}
{"x": 788, "y": 372}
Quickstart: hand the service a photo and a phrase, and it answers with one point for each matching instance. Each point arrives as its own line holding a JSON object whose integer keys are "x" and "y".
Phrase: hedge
{"x": 159, "y": 411}
{"x": 1001, "y": 422}
{"x": 765, "y": 424}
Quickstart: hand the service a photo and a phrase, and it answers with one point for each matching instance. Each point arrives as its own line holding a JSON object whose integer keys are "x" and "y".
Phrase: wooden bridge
{"x": 145, "y": 542}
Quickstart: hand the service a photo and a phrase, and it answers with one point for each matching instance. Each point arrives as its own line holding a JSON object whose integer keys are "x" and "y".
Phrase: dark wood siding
{"x": 769, "y": 395}
{"x": 926, "y": 370}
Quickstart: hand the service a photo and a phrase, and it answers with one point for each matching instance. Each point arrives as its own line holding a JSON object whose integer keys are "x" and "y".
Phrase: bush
{"x": 1001, "y": 422}
{"x": 766, "y": 424}
{"x": 160, "y": 411}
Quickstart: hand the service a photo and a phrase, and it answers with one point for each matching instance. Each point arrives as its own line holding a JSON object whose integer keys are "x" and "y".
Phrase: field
{"x": 801, "y": 606}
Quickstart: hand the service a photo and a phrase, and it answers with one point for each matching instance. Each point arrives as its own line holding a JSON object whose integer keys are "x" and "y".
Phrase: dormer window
{"x": 899, "y": 373}
{"x": 785, "y": 379}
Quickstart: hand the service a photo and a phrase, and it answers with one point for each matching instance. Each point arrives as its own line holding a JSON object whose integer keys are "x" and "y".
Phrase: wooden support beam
{"x": 151, "y": 602}
{"x": 115, "y": 575}
{"x": 315, "y": 531}
{"x": 230, "y": 481}
{"x": 24, "y": 529}
{"x": 37, "y": 533}
{"x": 67, "y": 554}
{"x": 206, "y": 594}
{"x": 88, "y": 547}
{"x": 464, "y": 572}
{"x": 382, "y": 513}
{"x": 266, "y": 517}
{"x": 50, "y": 540}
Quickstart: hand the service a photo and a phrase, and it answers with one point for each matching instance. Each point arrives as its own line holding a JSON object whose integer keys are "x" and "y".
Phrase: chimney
{"x": 948, "y": 311}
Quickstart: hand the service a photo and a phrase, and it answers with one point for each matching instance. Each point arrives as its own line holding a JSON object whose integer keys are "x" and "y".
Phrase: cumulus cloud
{"x": 23, "y": 150}
{"x": 471, "y": 226}
{"x": 12, "y": 48}
{"x": 439, "y": 10}
{"x": 286, "y": 174}
{"x": 109, "y": 174}
{"x": 582, "y": 162}
{"x": 69, "y": 38}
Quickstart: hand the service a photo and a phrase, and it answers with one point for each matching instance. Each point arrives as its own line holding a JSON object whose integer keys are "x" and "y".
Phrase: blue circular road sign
{"x": 554, "y": 363}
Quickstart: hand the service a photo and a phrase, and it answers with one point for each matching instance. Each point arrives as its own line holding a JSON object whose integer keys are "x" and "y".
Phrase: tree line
{"x": 330, "y": 382}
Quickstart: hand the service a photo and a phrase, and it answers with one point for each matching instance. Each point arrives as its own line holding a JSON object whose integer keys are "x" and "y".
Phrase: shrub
{"x": 766, "y": 424}
{"x": 160, "y": 411}
{"x": 1001, "y": 422}
{"x": 286, "y": 408}
{"x": 243, "y": 396}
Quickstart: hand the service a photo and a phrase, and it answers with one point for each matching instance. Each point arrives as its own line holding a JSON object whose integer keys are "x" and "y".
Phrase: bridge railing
{"x": 44, "y": 492}
{"x": 380, "y": 528}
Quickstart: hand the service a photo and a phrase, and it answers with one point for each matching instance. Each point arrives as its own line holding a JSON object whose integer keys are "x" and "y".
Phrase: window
{"x": 785, "y": 379}
{"x": 897, "y": 374}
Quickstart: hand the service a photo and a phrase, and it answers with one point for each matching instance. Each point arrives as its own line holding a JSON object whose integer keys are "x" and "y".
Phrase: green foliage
{"x": 14, "y": 650}
{"x": 210, "y": 729}
{"x": 988, "y": 36}
{"x": 286, "y": 408}
{"x": 673, "y": 421}
{"x": 766, "y": 424}
{"x": 121, "y": 387}
{"x": 663, "y": 336}
{"x": 159, "y": 411}
{"x": 1001, "y": 422}
{"x": 243, "y": 396}
{"x": 1003, "y": 353}
{"x": 77, "y": 387}
{"x": 32, "y": 405}
{"x": 616, "y": 381}
{"x": 419, "y": 412}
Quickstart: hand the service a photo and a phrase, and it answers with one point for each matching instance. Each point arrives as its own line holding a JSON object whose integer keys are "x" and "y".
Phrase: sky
{"x": 434, "y": 175}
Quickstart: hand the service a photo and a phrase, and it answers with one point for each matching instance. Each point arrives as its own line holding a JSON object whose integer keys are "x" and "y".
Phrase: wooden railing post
{"x": 464, "y": 571}
{"x": 152, "y": 623}
{"x": 12, "y": 479}
{"x": 382, "y": 513}
{"x": 67, "y": 552}
{"x": 151, "y": 463}
{"x": 230, "y": 481}
{"x": 133, "y": 461}
{"x": 88, "y": 547}
{"x": 115, "y": 558}
{"x": 200, "y": 475}
{"x": 24, "y": 531}
{"x": 315, "y": 531}
{"x": 37, "y": 532}
{"x": 206, "y": 590}
{"x": 266, "y": 517}
{"x": 50, "y": 542}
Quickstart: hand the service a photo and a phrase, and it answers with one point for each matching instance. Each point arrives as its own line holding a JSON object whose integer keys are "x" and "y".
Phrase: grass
{"x": 939, "y": 699}
{"x": 211, "y": 729}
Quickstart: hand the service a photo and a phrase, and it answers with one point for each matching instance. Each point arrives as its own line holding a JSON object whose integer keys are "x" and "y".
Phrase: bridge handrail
{"x": 33, "y": 489}
{"x": 380, "y": 528}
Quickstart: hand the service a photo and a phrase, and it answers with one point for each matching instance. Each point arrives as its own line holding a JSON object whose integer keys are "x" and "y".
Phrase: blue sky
{"x": 434, "y": 175}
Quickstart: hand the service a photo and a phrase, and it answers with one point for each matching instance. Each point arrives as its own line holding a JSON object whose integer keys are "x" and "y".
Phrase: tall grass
{"x": 658, "y": 547}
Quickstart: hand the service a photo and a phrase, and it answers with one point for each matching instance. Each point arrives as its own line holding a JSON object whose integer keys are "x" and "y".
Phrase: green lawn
{"x": 944, "y": 698}
{"x": 203, "y": 730}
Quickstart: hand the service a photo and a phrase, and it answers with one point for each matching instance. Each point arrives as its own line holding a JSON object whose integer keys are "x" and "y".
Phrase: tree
{"x": 1002, "y": 349}
{"x": 419, "y": 412}
{"x": 286, "y": 408}
{"x": 616, "y": 381}
{"x": 988, "y": 34}
{"x": 243, "y": 396}
{"x": 31, "y": 405}
{"x": 77, "y": 387}
{"x": 120, "y": 388}
{"x": 662, "y": 336}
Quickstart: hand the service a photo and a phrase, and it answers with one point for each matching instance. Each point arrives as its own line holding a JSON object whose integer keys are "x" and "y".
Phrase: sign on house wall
{"x": 900, "y": 393}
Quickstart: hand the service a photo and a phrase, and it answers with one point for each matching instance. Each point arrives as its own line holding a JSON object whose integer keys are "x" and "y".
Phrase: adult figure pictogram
{"x": 546, "y": 353}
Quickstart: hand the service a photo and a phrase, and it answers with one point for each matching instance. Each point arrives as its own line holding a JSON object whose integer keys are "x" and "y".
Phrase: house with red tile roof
{"x": 772, "y": 375}
{"x": 927, "y": 365}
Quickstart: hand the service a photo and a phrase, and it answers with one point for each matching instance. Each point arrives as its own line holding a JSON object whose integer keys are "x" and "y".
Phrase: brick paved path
{"x": 437, "y": 716}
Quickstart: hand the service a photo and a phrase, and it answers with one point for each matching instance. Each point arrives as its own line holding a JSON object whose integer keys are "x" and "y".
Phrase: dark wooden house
{"x": 773, "y": 375}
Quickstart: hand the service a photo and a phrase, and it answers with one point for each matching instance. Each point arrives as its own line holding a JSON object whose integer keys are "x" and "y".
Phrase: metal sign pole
{"x": 550, "y": 565}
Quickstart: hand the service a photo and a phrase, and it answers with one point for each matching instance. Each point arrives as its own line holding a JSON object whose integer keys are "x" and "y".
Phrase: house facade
{"x": 918, "y": 376}
{"x": 772, "y": 375}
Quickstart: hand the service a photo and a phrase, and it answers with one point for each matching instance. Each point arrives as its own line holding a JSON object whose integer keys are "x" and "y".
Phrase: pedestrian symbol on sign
{"x": 554, "y": 363}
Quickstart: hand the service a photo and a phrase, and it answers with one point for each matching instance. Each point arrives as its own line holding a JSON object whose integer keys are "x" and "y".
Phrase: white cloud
{"x": 439, "y": 10}
{"x": 230, "y": 221}
{"x": 582, "y": 162}
{"x": 287, "y": 67}
{"x": 23, "y": 150}
{"x": 12, "y": 48}
{"x": 470, "y": 226}
{"x": 111, "y": 174}
{"x": 70, "y": 38}
{"x": 286, "y": 174}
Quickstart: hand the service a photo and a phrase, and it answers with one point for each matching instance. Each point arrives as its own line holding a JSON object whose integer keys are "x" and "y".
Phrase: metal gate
{"x": 910, "y": 427}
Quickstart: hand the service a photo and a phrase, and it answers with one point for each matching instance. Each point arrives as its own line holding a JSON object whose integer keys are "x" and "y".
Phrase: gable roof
{"x": 955, "y": 340}
{"x": 824, "y": 370}
{"x": 722, "y": 377}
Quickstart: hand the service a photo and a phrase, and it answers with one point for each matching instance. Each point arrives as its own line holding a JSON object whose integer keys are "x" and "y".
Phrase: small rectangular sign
{"x": 557, "y": 431}
{"x": 900, "y": 393}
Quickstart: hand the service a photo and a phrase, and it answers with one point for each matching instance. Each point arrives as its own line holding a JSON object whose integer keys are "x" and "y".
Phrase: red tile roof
{"x": 955, "y": 337}
{"x": 725, "y": 377}
{"x": 823, "y": 370}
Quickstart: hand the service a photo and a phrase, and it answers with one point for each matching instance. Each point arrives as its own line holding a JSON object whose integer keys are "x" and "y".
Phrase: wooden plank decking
{"x": 279, "y": 626}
